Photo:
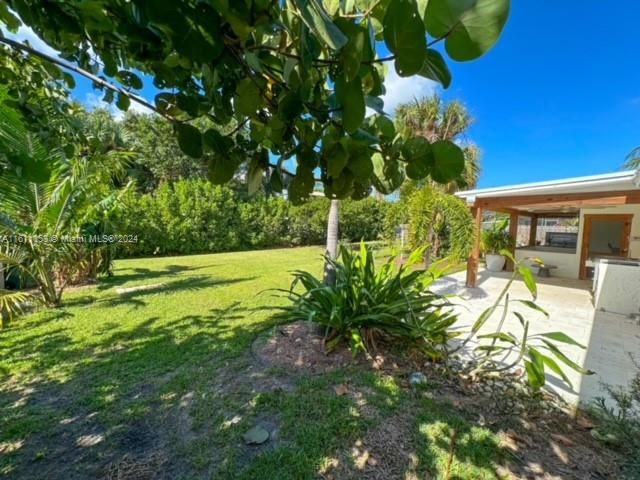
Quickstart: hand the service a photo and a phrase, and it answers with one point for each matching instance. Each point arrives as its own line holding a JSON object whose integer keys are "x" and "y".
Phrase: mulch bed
{"x": 542, "y": 446}
{"x": 299, "y": 347}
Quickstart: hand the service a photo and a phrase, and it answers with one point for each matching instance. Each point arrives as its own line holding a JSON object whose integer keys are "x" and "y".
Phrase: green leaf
{"x": 256, "y": 170}
{"x": 129, "y": 79}
{"x": 533, "y": 306}
{"x": 290, "y": 106}
{"x": 360, "y": 165}
{"x": 564, "y": 359}
{"x": 553, "y": 366}
{"x": 351, "y": 97}
{"x": 419, "y": 155}
{"x": 562, "y": 337}
{"x": 319, "y": 22}
{"x": 337, "y": 158}
{"x": 387, "y": 174}
{"x": 123, "y": 102}
{"x": 276, "y": 181}
{"x": 385, "y": 127}
{"x": 254, "y": 178}
{"x": 189, "y": 139}
{"x": 471, "y": 27}
{"x": 527, "y": 276}
{"x": 9, "y": 19}
{"x": 70, "y": 81}
{"x": 301, "y": 185}
{"x": 505, "y": 337}
{"x": 435, "y": 68}
{"x": 221, "y": 169}
{"x": 448, "y": 161}
{"x": 534, "y": 375}
{"x": 352, "y": 53}
{"x": 482, "y": 319}
{"x": 248, "y": 97}
{"x": 215, "y": 141}
{"x": 404, "y": 35}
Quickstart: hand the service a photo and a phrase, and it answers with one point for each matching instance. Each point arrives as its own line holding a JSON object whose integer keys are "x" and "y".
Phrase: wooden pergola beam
{"x": 568, "y": 199}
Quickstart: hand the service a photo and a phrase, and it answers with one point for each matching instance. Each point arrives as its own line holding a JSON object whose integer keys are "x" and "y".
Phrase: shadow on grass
{"x": 84, "y": 405}
{"x": 135, "y": 298}
{"x": 147, "y": 274}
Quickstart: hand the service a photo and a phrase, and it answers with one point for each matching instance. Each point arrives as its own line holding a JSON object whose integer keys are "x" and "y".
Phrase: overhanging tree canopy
{"x": 296, "y": 76}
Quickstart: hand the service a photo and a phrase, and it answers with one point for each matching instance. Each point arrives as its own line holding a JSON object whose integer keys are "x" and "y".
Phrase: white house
{"x": 602, "y": 241}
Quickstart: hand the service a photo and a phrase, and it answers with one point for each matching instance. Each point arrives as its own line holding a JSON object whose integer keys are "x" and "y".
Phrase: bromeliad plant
{"x": 367, "y": 304}
{"x": 501, "y": 351}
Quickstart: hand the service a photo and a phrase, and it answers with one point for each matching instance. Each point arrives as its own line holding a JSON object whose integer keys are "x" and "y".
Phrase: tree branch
{"x": 80, "y": 71}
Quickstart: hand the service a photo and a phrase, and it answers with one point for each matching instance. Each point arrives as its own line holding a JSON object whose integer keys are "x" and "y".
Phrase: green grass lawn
{"x": 165, "y": 377}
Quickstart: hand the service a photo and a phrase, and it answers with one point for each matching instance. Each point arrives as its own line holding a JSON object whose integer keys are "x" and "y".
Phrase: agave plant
{"x": 367, "y": 303}
{"x": 47, "y": 195}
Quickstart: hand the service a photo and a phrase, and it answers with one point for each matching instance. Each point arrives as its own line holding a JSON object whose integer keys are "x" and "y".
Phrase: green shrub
{"x": 440, "y": 222}
{"x": 619, "y": 424}
{"x": 185, "y": 217}
{"x": 195, "y": 216}
{"x": 366, "y": 303}
{"x": 362, "y": 219}
{"x": 308, "y": 222}
{"x": 396, "y": 214}
{"x": 265, "y": 223}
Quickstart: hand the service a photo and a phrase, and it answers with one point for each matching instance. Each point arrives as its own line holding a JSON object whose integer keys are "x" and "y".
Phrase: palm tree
{"x": 632, "y": 162}
{"x": 435, "y": 119}
{"x": 45, "y": 196}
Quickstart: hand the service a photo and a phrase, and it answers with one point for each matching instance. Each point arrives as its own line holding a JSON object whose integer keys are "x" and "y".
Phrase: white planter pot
{"x": 495, "y": 263}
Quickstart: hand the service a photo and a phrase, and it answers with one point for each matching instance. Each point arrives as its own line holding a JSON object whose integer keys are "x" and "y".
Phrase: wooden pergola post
{"x": 474, "y": 258}
{"x": 513, "y": 233}
{"x": 533, "y": 231}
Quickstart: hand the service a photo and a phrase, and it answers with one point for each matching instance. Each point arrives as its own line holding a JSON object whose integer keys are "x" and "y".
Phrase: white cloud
{"x": 405, "y": 89}
{"x": 93, "y": 101}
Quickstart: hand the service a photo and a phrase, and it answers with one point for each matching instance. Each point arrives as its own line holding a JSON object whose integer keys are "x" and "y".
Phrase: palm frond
{"x": 14, "y": 303}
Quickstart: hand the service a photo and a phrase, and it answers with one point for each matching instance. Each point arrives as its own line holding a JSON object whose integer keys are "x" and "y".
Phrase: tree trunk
{"x": 332, "y": 242}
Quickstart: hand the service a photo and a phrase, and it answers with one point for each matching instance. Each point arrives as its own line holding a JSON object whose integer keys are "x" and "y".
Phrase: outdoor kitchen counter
{"x": 542, "y": 248}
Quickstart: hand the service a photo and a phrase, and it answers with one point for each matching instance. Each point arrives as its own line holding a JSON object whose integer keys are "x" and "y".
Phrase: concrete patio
{"x": 611, "y": 338}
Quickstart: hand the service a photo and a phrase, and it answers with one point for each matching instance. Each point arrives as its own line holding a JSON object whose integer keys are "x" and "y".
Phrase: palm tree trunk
{"x": 332, "y": 242}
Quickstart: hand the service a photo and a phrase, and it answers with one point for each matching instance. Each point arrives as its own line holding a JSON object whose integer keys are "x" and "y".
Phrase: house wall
{"x": 569, "y": 263}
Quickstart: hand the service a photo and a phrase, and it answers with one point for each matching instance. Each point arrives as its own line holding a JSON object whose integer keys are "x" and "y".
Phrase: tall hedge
{"x": 194, "y": 216}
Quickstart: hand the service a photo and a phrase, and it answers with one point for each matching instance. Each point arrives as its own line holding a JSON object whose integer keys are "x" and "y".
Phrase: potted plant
{"x": 494, "y": 240}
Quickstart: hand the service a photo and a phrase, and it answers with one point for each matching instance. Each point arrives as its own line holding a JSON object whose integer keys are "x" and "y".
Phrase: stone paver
{"x": 612, "y": 340}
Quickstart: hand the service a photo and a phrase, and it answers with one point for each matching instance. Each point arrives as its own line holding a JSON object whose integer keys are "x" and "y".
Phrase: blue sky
{"x": 558, "y": 96}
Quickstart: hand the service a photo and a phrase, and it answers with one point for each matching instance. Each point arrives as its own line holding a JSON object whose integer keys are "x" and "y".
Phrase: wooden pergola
{"x": 555, "y": 199}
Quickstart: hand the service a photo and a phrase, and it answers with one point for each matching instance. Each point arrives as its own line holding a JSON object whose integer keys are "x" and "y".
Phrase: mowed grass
{"x": 168, "y": 369}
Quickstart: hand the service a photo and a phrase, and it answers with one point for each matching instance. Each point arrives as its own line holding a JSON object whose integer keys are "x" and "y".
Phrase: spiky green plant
{"x": 367, "y": 303}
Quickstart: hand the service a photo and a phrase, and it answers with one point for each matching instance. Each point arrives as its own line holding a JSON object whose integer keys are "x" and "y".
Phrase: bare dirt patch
{"x": 128, "y": 468}
{"x": 299, "y": 347}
